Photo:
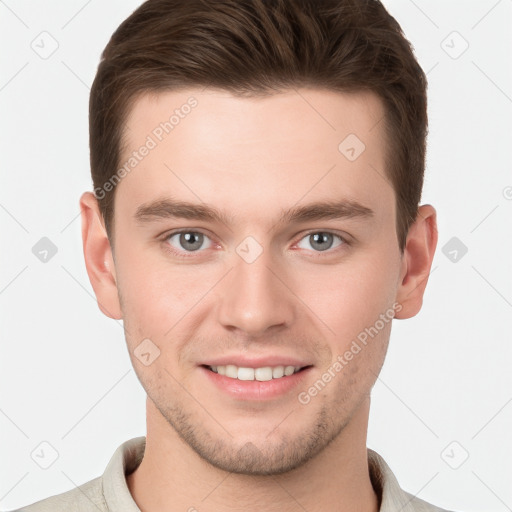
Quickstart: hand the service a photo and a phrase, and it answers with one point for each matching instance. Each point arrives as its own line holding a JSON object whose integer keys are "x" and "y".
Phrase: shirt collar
{"x": 124, "y": 461}
{"x": 129, "y": 455}
{"x": 392, "y": 497}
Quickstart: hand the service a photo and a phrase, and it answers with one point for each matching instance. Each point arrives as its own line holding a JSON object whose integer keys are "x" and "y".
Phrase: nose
{"x": 255, "y": 298}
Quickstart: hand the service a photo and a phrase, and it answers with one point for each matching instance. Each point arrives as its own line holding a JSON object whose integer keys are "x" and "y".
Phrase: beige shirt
{"x": 110, "y": 493}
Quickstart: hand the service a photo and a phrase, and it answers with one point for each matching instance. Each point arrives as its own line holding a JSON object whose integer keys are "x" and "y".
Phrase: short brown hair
{"x": 257, "y": 47}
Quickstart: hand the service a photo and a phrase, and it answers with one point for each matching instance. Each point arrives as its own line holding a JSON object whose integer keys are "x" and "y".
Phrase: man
{"x": 255, "y": 222}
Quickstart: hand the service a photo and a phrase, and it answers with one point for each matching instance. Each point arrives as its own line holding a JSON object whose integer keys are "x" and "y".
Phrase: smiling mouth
{"x": 264, "y": 373}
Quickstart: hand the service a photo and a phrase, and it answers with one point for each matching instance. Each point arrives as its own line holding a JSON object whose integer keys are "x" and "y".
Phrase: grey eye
{"x": 187, "y": 240}
{"x": 321, "y": 241}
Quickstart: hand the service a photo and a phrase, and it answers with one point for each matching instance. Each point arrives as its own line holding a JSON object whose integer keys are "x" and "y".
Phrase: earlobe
{"x": 417, "y": 261}
{"x": 98, "y": 257}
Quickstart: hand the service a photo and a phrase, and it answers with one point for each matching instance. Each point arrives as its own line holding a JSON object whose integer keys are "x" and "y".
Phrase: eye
{"x": 187, "y": 241}
{"x": 321, "y": 241}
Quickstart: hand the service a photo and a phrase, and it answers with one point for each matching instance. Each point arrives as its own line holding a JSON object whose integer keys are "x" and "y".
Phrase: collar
{"x": 128, "y": 456}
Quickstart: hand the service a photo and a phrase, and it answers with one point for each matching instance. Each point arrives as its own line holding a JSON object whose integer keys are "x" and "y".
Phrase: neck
{"x": 173, "y": 477}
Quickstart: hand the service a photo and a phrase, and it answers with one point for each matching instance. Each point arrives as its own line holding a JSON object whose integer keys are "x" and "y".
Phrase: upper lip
{"x": 256, "y": 362}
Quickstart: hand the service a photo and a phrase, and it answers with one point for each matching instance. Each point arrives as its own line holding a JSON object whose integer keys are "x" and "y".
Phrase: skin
{"x": 251, "y": 158}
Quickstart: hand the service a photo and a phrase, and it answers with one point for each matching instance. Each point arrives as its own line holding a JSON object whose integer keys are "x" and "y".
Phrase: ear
{"x": 416, "y": 262}
{"x": 98, "y": 257}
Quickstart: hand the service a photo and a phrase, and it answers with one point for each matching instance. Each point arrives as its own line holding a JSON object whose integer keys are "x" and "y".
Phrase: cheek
{"x": 159, "y": 298}
{"x": 352, "y": 295}
{"x": 147, "y": 290}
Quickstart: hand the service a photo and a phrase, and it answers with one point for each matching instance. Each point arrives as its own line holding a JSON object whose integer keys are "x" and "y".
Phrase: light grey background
{"x": 65, "y": 376}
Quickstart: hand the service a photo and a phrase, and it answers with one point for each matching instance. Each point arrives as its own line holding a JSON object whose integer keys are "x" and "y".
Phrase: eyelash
{"x": 185, "y": 255}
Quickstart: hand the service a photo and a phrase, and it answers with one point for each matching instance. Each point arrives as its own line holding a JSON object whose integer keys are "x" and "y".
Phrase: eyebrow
{"x": 321, "y": 210}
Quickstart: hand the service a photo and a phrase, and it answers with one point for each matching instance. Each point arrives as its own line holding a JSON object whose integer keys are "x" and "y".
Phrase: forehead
{"x": 248, "y": 152}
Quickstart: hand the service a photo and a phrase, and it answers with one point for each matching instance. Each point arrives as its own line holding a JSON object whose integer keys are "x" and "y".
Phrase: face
{"x": 285, "y": 254}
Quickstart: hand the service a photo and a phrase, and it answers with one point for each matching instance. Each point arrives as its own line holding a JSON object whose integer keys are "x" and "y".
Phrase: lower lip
{"x": 255, "y": 389}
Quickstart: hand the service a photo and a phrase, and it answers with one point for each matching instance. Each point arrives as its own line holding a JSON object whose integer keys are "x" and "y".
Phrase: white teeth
{"x": 245, "y": 374}
{"x": 289, "y": 370}
{"x": 277, "y": 372}
{"x": 261, "y": 374}
{"x": 231, "y": 371}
